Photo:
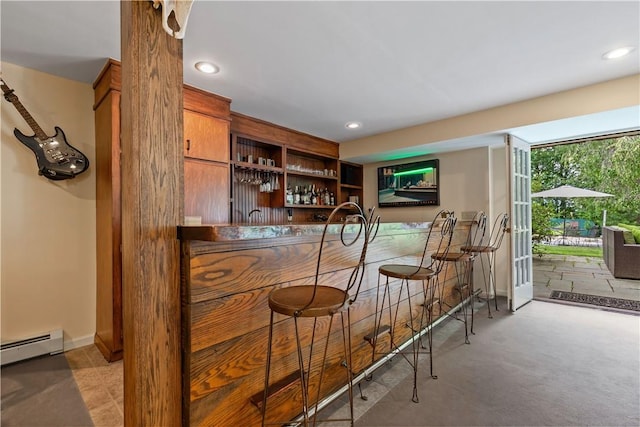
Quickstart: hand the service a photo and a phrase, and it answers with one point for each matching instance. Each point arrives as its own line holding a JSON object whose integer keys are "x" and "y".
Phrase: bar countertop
{"x": 233, "y": 232}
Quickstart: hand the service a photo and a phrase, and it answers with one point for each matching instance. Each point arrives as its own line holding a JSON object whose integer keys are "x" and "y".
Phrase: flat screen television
{"x": 409, "y": 184}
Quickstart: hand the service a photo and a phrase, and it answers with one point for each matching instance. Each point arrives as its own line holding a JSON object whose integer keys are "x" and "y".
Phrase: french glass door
{"x": 520, "y": 212}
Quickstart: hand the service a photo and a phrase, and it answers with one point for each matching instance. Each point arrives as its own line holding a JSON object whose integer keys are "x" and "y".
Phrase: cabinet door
{"x": 205, "y": 137}
{"x": 206, "y": 191}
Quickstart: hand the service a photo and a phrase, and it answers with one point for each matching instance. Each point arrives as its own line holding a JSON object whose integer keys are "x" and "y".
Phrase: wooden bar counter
{"x": 227, "y": 273}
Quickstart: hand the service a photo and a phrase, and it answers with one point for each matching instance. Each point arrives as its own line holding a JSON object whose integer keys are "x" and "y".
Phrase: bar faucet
{"x": 258, "y": 211}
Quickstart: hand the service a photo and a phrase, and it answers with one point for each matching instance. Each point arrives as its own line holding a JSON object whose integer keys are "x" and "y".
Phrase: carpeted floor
{"x": 42, "y": 392}
{"x": 547, "y": 365}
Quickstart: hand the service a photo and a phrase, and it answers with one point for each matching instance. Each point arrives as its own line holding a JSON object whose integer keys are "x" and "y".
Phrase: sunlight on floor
{"x": 100, "y": 383}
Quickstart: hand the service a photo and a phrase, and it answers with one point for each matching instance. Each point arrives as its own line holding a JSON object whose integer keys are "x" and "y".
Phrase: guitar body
{"x": 56, "y": 158}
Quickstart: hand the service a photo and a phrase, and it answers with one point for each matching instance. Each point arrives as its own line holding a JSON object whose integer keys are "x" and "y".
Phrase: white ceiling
{"x": 313, "y": 66}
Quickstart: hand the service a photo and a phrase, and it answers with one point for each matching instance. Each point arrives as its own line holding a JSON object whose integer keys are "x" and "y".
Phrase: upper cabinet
{"x": 205, "y": 137}
{"x": 206, "y": 156}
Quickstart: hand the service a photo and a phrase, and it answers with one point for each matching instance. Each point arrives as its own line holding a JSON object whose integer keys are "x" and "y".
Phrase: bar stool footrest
{"x": 373, "y": 337}
{"x": 275, "y": 388}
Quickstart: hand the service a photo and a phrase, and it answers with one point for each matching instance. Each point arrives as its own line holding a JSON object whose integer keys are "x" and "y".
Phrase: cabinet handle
{"x": 188, "y": 144}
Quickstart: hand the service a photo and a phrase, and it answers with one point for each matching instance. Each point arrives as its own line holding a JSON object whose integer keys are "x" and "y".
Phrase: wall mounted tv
{"x": 409, "y": 184}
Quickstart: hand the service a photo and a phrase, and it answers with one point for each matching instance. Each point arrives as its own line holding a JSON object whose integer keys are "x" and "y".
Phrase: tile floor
{"x": 100, "y": 384}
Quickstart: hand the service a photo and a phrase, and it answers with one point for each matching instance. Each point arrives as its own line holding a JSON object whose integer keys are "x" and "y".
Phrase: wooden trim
{"x": 206, "y": 103}
{"x": 109, "y": 79}
{"x": 262, "y": 129}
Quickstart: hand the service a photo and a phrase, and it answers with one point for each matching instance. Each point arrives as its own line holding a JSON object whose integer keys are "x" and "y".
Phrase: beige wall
{"x": 48, "y": 228}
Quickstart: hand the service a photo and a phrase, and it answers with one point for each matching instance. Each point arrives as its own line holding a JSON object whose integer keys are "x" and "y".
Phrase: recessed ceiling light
{"x": 353, "y": 125}
{"x": 207, "y": 67}
{"x": 618, "y": 53}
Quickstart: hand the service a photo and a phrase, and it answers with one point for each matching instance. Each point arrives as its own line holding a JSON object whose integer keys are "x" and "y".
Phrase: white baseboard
{"x": 78, "y": 342}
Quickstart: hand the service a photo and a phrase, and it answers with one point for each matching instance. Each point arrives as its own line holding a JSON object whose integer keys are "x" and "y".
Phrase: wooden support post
{"x": 151, "y": 135}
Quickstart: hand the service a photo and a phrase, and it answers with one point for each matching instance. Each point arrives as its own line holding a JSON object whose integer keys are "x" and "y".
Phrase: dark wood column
{"x": 151, "y": 135}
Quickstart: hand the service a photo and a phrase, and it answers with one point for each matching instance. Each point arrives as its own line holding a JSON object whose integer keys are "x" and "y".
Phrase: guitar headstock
{"x": 8, "y": 93}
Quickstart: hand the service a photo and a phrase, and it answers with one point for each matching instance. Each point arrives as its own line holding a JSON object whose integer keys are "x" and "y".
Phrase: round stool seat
{"x": 289, "y": 301}
{"x": 408, "y": 272}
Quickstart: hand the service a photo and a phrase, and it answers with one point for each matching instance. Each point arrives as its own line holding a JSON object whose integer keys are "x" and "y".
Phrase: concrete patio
{"x": 585, "y": 275}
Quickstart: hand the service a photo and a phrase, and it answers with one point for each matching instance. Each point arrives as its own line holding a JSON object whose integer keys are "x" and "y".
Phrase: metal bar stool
{"x": 324, "y": 300}
{"x": 439, "y": 237}
{"x": 488, "y": 246}
{"x": 463, "y": 266}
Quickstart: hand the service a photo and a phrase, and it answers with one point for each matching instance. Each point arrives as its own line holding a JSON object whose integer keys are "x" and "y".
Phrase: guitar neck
{"x": 12, "y": 98}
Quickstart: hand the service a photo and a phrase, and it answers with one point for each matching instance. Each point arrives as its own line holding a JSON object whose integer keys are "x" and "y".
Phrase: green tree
{"x": 621, "y": 177}
{"x": 609, "y": 165}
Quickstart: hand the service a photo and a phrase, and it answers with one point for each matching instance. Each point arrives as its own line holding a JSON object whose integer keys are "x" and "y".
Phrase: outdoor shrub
{"x": 540, "y": 225}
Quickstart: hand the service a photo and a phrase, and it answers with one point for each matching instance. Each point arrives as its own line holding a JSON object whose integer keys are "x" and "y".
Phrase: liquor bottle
{"x": 289, "y": 198}
{"x": 296, "y": 196}
{"x": 332, "y": 199}
{"x": 327, "y": 197}
{"x": 314, "y": 196}
{"x": 307, "y": 196}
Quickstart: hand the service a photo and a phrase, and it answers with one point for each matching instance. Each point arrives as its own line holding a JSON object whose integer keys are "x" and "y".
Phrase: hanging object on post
{"x": 180, "y": 10}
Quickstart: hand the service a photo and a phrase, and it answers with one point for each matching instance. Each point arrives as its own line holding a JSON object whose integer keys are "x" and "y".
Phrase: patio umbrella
{"x": 571, "y": 192}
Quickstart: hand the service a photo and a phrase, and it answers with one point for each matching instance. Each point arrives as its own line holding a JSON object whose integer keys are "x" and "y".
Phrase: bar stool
{"x": 488, "y": 245}
{"x": 439, "y": 238}
{"x": 463, "y": 267}
{"x": 324, "y": 300}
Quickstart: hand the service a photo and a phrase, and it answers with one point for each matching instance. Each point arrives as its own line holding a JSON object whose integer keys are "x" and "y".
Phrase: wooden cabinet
{"x": 206, "y": 188}
{"x": 206, "y": 157}
{"x": 206, "y": 137}
{"x": 108, "y": 337}
{"x": 298, "y": 160}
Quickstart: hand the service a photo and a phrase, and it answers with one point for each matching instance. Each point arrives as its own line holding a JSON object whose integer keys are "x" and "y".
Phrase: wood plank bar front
{"x": 225, "y": 316}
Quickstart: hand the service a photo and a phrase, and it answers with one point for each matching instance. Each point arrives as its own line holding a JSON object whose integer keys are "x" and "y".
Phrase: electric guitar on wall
{"x": 57, "y": 160}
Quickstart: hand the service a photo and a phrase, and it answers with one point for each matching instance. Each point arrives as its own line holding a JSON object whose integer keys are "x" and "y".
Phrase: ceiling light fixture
{"x": 207, "y": 67}
{"x": 618, "y": 53}
{"x": 353, "y": 125}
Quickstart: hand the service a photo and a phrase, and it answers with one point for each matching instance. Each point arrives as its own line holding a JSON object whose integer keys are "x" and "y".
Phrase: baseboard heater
{"x": 48, "y": 343}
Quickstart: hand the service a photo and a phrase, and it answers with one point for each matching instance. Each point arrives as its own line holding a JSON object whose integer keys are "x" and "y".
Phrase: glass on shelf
{"x": 266, "y": 181}
{"x": 323, "y": 172}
